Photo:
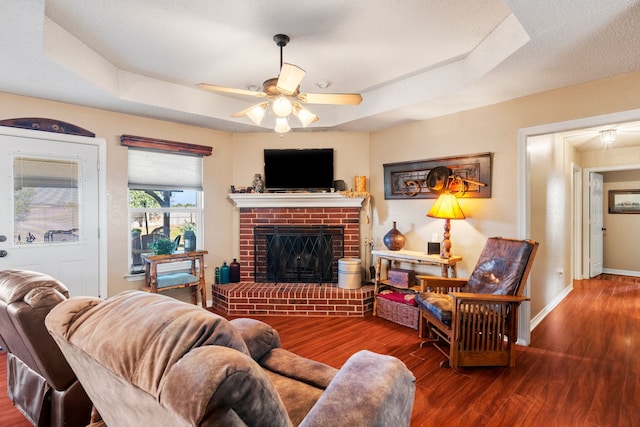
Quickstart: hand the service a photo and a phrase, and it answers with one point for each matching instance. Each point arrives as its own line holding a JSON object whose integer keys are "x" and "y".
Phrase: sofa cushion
{"x": 439, "y": 305}
{"x": 175, "y": 279}
{"x": 500, "y": 267}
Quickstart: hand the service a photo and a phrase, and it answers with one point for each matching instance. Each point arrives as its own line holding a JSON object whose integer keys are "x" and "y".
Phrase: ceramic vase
{"x": 394, "y": 239}
{"x": 258, "y": 183}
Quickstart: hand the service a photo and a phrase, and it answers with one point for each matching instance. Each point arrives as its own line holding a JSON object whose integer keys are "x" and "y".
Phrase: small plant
{"x": 163, "y": 247}
{"x": 187, "y": 225}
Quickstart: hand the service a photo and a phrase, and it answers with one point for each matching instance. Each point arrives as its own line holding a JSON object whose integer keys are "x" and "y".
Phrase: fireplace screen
{"x": 298, "y": 254}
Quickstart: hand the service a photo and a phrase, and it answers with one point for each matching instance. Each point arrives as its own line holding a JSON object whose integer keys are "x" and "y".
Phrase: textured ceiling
{"x": 410, "y": 59}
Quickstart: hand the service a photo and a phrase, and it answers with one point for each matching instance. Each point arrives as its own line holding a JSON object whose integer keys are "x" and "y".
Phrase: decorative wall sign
{"x": 466, "y": 176}
{"x": 624, "y": 201}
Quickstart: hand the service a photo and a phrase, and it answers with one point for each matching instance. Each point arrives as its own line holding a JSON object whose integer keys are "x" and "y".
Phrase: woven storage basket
{"x": 403, "y": 314}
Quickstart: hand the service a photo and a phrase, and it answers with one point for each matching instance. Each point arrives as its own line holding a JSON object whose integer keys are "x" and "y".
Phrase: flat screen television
{"x": 307, "y": 169}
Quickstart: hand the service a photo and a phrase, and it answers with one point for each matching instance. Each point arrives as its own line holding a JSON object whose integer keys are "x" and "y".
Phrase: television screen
{"x": 298, "y": 169}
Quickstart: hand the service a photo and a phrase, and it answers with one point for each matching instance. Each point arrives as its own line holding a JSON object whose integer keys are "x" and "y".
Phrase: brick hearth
{"x": 292, "y": 299}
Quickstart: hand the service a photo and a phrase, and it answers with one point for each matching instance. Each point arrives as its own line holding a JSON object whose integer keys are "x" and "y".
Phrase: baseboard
{"x": 621, "y": 272}
{"x": 545, "y": 311}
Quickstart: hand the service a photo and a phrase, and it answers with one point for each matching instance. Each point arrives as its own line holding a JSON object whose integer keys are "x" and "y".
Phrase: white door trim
{"x": 102, "y": 183}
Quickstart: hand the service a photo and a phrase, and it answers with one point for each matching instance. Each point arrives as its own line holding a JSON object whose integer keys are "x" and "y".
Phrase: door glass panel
{"x": 45, "y": 201}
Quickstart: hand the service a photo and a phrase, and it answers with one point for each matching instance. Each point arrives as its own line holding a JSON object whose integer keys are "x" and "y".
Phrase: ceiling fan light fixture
{"x": 608, "y": 136}
{"x": 257, "y": 113}
{"x": 282, "y": 125}
{"x": 305, "y": 116}
{"x": 281, "y": 106}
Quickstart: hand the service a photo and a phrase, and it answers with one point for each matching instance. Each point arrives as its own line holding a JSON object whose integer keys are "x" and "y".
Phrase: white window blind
{"x": 152, "y": 170}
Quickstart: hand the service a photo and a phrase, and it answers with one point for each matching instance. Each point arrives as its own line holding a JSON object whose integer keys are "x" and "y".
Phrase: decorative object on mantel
{"x": 466, "y": 176}
{"x": 360, "y": 183}
{"x": 366, "y": 205}
{"x": 258, "y": 183}
{"x": 394, "y": 239}
{"x": 234, "y": 189}
{"x": 446, "y": 207}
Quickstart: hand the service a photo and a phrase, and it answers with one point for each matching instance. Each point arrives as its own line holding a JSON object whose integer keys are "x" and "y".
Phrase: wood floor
{"x": 581, "y": 369}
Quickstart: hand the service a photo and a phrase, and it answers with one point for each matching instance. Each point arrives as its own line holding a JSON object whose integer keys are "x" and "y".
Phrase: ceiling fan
{"x": 283, "y": 94}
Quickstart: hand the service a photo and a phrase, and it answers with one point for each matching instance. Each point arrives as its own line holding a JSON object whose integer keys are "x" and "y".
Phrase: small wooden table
{"x": 193, "y": 279}
{"x": 411, "y": 257}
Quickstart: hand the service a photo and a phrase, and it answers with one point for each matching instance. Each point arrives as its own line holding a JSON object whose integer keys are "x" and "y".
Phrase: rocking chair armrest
{"x": 470, "y": 296}
{"x": 441, "y": 284}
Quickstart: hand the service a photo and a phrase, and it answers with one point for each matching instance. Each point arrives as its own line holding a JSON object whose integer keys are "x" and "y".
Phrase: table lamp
{"x": 446, "y": 207}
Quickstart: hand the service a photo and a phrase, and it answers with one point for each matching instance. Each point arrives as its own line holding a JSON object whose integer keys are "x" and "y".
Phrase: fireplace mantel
{"x": 296, "y": 200}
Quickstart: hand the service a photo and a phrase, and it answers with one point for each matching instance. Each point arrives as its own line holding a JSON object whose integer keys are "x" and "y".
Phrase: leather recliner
{"x": 40, "y": 382}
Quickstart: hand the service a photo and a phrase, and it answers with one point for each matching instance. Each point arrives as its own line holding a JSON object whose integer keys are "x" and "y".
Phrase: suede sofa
{"x": 147, "y": 359}
{"x": 40, "y": 383}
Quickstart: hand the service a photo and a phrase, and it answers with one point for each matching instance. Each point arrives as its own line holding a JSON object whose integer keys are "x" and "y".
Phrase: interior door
{"x": 50, "y": 219}
{"x": 596, "y": 224}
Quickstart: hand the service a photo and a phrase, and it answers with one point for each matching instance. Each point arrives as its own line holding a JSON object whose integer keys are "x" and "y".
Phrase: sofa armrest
{"x": 236, "y": 391}
{"x": 369, "y": 390}
{"x": 259, "y": 337}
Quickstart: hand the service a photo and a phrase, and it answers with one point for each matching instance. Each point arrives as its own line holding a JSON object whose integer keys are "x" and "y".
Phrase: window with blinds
{"x": 165, "y": 201}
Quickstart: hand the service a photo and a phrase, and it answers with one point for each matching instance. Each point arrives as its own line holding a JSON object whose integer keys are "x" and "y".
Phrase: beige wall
{"x": 237, "y": 157}
{"x": 550, "y": 172}
{"x": 622, "y": 230}
{"x": 494, "y": 129}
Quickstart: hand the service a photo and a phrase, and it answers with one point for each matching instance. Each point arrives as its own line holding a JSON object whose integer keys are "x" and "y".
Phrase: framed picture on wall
{"x": 465, "y": 176}
{"x": 624, "y": 201}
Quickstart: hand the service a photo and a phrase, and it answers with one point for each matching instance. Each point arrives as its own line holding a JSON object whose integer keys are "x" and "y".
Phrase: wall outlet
{"x": 434, "y": 237}
{"x": 561, "y": 271}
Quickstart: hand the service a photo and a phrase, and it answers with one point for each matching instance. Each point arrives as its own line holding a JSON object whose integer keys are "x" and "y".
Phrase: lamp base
{"x": 445, "y": 250}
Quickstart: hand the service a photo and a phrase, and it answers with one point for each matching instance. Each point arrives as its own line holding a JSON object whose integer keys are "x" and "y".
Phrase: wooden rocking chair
{"x": 474, "y": 322}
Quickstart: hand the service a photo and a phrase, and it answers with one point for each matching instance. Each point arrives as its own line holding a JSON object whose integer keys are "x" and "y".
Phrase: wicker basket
{"x": 403, "y": 314}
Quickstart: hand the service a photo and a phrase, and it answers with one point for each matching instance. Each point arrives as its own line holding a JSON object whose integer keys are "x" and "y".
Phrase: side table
{"x": 410, "y": 257}
{"x": 194, "y": 279}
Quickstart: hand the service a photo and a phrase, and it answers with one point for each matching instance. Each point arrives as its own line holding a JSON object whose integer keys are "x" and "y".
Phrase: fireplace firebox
{"x": 297, "y": 254}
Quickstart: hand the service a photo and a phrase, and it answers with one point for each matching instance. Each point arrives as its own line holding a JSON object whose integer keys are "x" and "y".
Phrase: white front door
{"x": 596, "y": 224}
{"x": 49, "y": 217}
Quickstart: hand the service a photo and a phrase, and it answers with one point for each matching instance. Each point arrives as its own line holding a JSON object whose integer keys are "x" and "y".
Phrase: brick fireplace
{"x": 305, "y": 299}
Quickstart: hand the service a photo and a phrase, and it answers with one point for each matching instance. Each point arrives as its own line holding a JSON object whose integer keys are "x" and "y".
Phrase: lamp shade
{"x": 446, "y": 207}
{"x": 257, "y": 113}
{"x": 305, "y": 116}
{"x": 282, "y": 125}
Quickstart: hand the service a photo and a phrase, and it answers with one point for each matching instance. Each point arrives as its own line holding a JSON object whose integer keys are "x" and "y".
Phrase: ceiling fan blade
{"x": 231, "y": 90}
{"x": 331, "y": 98}
{"x": 289, "y": 78}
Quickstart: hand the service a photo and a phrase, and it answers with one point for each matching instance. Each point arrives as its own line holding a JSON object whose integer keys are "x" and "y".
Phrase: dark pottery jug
{"x": 394, "y": 239}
